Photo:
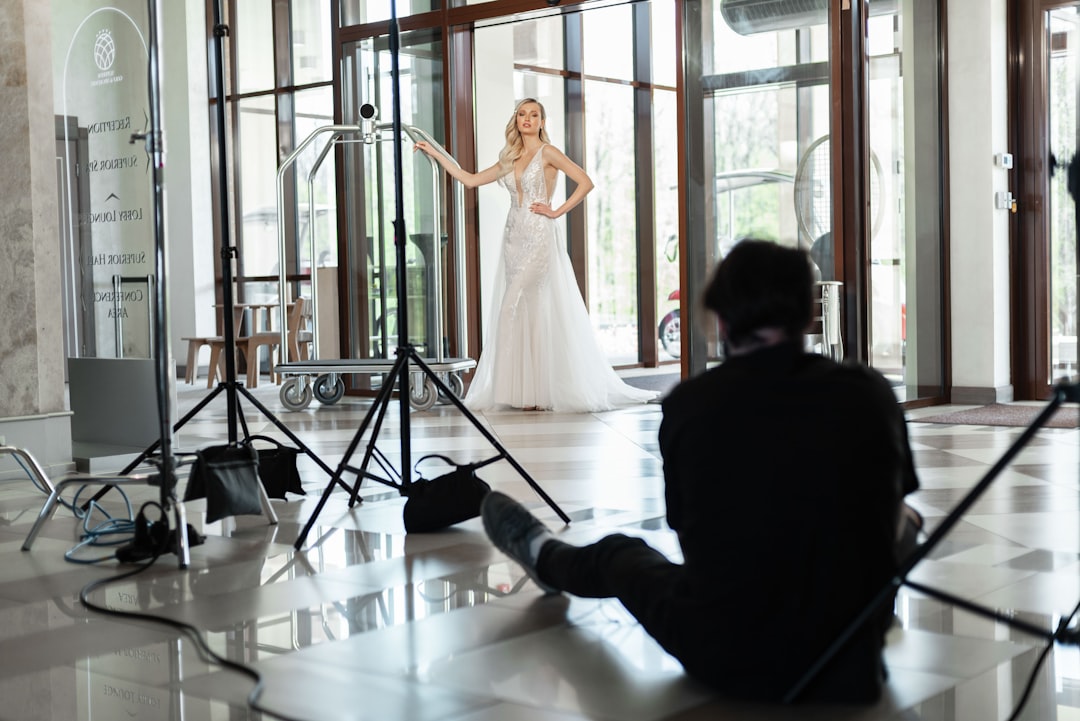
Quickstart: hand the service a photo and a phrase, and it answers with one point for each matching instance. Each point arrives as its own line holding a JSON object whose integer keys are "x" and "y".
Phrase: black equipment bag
{"x": 227, "y": 476}
{"x": 277, "y": 467}
{"x": 445, "y": 500}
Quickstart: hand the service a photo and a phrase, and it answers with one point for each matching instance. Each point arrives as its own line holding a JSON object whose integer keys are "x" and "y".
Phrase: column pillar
{"x": 32, "y": 405}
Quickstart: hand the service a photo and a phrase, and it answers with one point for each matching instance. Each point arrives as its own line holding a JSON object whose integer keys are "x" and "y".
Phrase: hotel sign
{"x": 101, "y": 66}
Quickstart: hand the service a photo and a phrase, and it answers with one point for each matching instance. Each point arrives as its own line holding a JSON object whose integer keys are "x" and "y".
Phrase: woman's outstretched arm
{"x": 469, "y": 180}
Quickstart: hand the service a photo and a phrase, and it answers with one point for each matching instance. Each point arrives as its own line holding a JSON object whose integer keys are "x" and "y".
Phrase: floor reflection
{"x": 368, "y": 622}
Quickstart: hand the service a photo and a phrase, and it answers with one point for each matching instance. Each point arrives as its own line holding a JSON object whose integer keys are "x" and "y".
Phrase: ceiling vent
{"x": 747, "y": 17}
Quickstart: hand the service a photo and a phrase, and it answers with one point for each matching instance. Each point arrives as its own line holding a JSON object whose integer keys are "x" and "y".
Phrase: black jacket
{"x": 784, "y": 477}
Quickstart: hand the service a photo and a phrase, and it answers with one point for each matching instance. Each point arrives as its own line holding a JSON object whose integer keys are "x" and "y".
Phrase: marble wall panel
{"x": 31, "y": 356}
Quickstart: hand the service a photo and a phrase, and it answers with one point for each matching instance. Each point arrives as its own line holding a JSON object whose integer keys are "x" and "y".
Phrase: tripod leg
{"x": 1008, "y": 620}
{"x": 183, "y": 547}
{"x": 284, "y": 429}
{"x": 921, "y": 551}
{"x": 487, "y": 434}
{"x": 153, "y": 447}
{"x": 334, "y": 480}
{"x": 267, "y": 508}
{"x": 377, "y": 408}
{"x": 383, "y": 402}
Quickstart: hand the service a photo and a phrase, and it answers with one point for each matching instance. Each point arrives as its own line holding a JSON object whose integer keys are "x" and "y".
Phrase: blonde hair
{"x": 515, "y": 146}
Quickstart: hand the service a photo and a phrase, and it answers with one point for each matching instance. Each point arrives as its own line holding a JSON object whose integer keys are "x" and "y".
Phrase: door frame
{"x": 1030, "y": 226}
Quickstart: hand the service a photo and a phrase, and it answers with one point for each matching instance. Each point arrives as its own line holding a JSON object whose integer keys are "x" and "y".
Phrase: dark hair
{"x": 762, "y": 285}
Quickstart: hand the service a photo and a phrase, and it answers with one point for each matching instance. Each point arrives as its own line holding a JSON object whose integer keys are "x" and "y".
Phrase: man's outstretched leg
{"x": 516, "y": 532}
{"x": 651, "y": 587}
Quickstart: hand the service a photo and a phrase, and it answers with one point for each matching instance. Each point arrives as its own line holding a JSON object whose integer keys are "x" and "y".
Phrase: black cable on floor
{"x": 205, "y": 652}
{"x": 1062, "y": 626}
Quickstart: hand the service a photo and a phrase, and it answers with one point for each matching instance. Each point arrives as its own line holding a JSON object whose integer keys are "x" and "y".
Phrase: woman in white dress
{"x": 540, "y": 351}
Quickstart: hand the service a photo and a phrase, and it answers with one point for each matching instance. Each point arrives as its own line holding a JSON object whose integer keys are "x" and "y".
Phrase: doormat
{"x": 662, "y": 382}
{"x": 1001, "y": 414}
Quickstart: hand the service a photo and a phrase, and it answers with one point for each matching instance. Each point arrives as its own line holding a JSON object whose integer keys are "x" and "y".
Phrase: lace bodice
{"x": 533, "y": 184}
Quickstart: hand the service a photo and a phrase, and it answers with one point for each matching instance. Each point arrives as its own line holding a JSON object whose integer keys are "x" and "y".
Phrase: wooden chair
{"x": 217, "y": 345}
{"x": 195, "y": 344}
{"x": 300, "y": 335}
{"x": 249, "y": 345}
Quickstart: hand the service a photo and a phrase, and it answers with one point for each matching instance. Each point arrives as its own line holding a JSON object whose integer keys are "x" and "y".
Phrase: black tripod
{"x": 1064, "y": 391}
{"x": 230, "y": 386}
{"x": 377, "y": 413}
{"x": 405, "y": 353}
{"x": 155, "y": 149}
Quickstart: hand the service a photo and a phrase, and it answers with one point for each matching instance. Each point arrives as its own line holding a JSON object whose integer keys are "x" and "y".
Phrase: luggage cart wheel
{"x": 295, "y": 394}
{"x": 457, "y": 386}
{"x": 329, "y": 388}
{"x": 422, "y": 398}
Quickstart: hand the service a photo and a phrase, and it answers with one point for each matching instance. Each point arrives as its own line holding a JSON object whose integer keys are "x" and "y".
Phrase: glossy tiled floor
{"x": 370, "y": 623}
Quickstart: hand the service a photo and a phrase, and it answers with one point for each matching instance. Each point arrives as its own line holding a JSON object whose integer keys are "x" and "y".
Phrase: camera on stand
{"x": 369, "y": 127}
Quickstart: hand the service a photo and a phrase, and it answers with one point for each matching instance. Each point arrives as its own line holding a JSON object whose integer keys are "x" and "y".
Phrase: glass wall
{"x": 769, "y": 110}
{"x": 312, "y": 49}
{"x": 904, "y": 226}
{"x": 664, "y": 59}
{"x": 373, "y": 309}
{"x": 612, "y": 227}
{"x": 253, "y": 36}
{"x": 278, "y": 90}
{"x": 586, "y": 69}
{"x": 256, "y": 119}
{"x": 316, "y": 189}
{"x": 359, "y": 12}
{"x": 767, "y": 102}
{"x": 1063, "y": 47}
{"x": 761, "y": 75}
{"x": 518, "y": 60}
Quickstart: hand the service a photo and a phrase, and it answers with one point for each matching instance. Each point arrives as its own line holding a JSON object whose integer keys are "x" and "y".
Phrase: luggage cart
{"x": 321, "y": 379}
{"x": 298, "y": 389}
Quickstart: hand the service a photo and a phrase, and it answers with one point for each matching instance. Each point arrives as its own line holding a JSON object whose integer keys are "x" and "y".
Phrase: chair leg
{"x": 213, "y": 371}
{"x": 193, "y": 348}
{"x": 252, "y": 359}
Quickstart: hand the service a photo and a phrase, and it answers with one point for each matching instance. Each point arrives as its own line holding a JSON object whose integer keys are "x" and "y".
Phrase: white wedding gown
{"x": 540, "y": 349}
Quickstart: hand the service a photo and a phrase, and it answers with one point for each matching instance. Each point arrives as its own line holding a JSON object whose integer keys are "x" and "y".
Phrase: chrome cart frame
{"x": 320, "y": 379}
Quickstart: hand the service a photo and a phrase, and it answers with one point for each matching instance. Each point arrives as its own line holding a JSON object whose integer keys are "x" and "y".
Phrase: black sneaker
{"x": 512, "y": 529}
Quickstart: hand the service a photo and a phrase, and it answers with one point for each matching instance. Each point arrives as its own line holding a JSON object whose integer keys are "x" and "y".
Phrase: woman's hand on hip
{"x": 543, "y": 209}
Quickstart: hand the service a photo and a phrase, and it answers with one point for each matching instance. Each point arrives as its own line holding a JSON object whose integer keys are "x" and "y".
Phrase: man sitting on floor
{"x": 785, "y": 474}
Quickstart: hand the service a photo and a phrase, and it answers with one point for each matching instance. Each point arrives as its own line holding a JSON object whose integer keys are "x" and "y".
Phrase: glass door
{"x": 904, "y": 229}
{"x": 773, "y": 99}
{"x": 606, "y": 79}
{"x": 767, "y": 90}
{"x": 1062, "y": 87}
{"x": 1044, "y": 331}
{"x": 374, "y": 305}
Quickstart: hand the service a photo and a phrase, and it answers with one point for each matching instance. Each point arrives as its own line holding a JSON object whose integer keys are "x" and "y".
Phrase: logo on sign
{"x": 104, "y": 50}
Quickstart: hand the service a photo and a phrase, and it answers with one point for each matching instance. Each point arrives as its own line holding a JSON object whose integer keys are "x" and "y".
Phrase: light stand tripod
{"x": 230, "y": 386}
{"x": 155, "y": 149}
{"x": 405, "y": 353}
{"x": 1064, "y": 391}
{"x": 164, "y": 461}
